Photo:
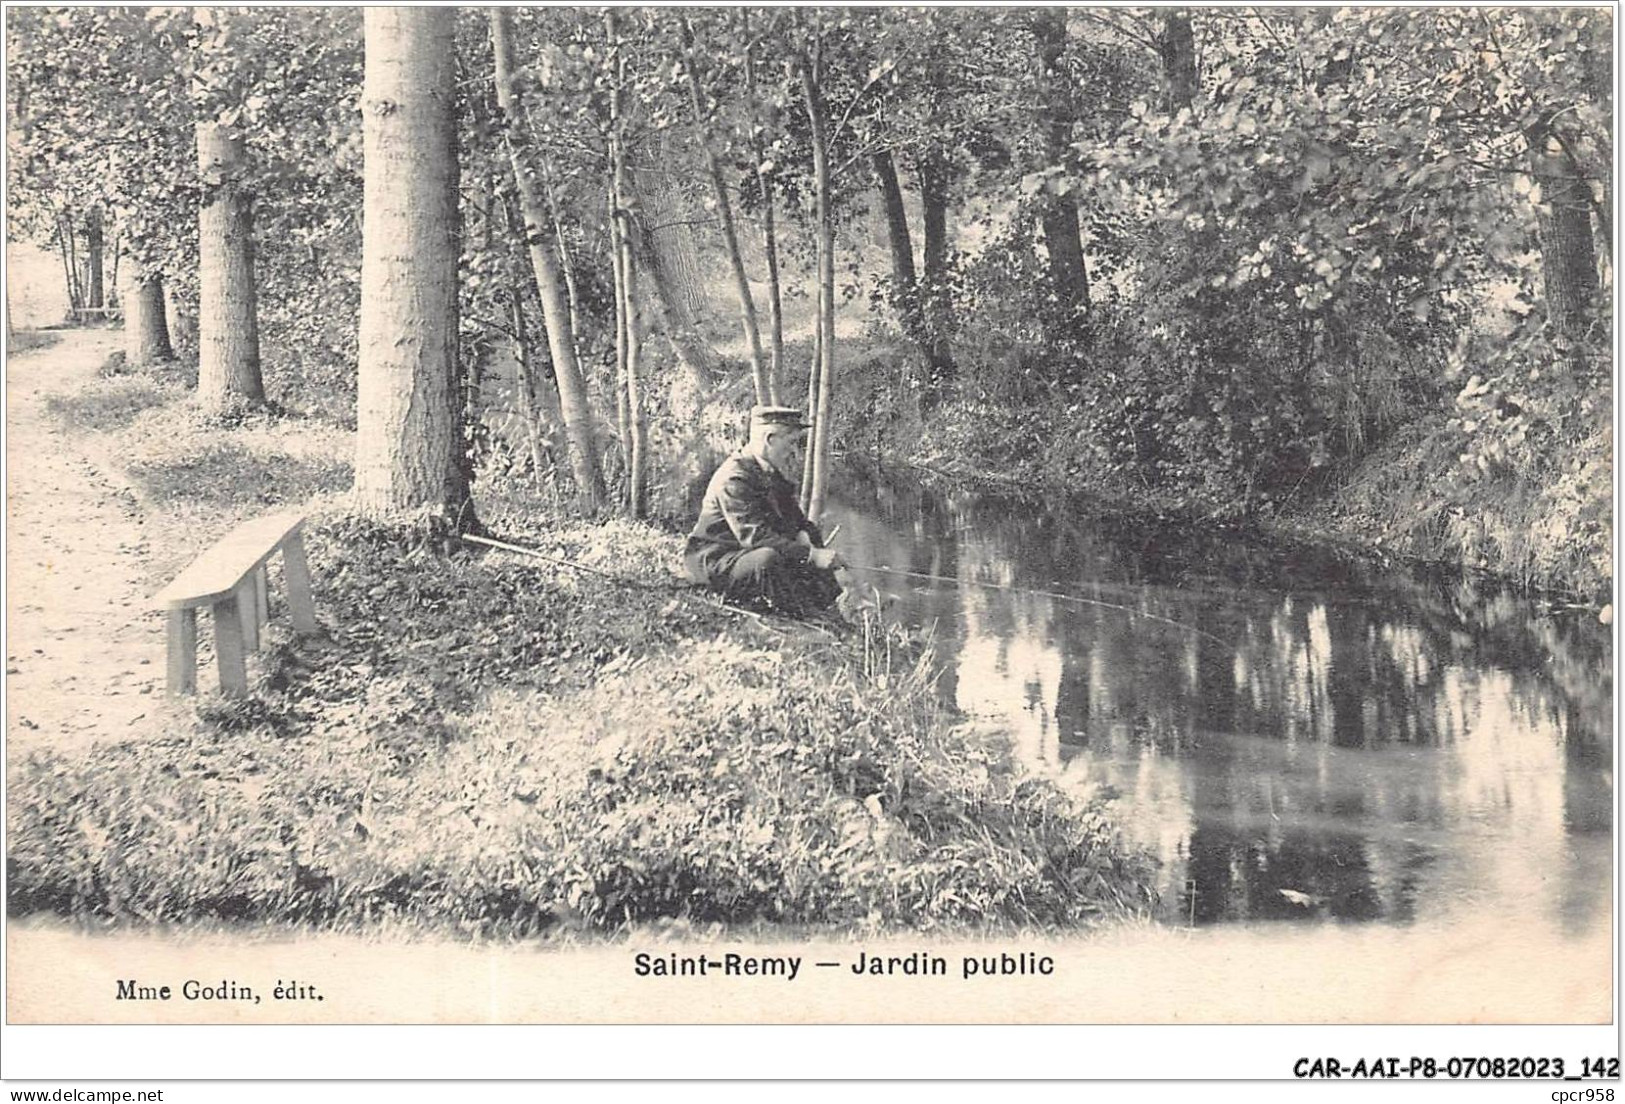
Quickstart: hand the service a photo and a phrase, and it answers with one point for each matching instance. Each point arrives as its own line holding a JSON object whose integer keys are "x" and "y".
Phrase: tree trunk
{"x": 1177, "y": 47}
{"x": 70, "y": 272}
{"x": 407, "y": 414}
{"x": 228, "y": 328}
{"x": 814, "y": 98}
{"x": 770, "y": 244}
{"x": 572, "y": 386}
{"x": 897, "y": 235}
{"x": 567, "y": 266}
{"x": 95, "y": 292}
{"x": 1567, "y": 248}
{"x": 810, "y": 455}
{"x": 672, "y": 211}
{"x": 146, "y": 329}
{"x": 693, "y": 353}
{"x": 628, "y": 344}
{"x": 730, "y": 234}
{"x": 933, "y": 172}
{"x": 1059, "y": 214}
{"x": 544, "y": 425}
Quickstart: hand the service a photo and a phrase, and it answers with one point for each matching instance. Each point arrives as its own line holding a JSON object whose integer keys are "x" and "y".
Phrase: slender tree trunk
{"x": 813, "y": 95}
{"x": 637, "y": 474}
{"x": 730, "y": 234}
{"x": 146, "y": 329}
{"x": 228, "y": 326}
{"x": 636, "y": 417}
{"x": 538, "y": 395}
{"x": 95, "y": 293}
{"x": 572, "y": 386}
{"x": 810, "y": 456}
{"x": 623, "y": 404}
{"x": 1177, "y": 47}
{"x": 526, "y": 372}
{"x": 1059, "y": 214}
{"x": 567, "y": 267}
{"x": 407, "y": 413}
{"x": 70, "y": 274}
{"x": 770, "y": 244}
{"x": 1567, "y": 247}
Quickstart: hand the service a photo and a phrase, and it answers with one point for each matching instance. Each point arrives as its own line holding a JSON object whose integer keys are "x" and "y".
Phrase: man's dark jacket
{"x": 747, "y": 506}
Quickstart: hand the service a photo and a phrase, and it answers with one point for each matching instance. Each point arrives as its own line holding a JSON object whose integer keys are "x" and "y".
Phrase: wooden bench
{"x": 231, "y": 578}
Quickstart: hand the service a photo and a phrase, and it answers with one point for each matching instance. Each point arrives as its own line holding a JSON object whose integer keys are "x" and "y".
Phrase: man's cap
{"x": 775, "y": 416}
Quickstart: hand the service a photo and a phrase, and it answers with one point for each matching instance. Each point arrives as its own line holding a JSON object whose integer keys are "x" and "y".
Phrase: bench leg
{"x": 182, "y": 652}
{"x": 262, "y": 594}
{"x": 248, "y": 613}
{"x": 228, "y": 647}
{"x": 301, "y": 604}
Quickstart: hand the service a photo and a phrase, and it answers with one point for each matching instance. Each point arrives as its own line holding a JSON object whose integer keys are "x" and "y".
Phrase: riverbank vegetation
{"x": 505, "y": 746}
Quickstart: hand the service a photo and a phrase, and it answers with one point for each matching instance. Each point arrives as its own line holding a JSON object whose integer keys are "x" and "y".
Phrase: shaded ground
{"x": 84, "y": 654}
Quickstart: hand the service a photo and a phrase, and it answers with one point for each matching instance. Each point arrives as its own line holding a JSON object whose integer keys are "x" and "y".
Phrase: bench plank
{"x": 217, "y": 573}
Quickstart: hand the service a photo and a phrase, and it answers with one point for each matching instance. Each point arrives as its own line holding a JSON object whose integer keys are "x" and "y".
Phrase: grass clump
{"x": 26, "y": 341}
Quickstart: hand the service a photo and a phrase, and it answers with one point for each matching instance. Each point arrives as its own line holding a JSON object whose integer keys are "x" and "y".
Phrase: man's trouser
{"x": 790, "y": 587}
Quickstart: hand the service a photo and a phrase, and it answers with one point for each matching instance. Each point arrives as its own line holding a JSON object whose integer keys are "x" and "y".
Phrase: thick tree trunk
{"x": 572, "y": 386}
{"x": 730, "y": 235}
{"x": 1059, "y": 214}
{"x": 95, "y": 292}
{"x": 672, "y": 211}
{"x": 1177, "y": 47}
{"x": 407, "y": 414}
{"x": 934, "y": 179}
{"x": 693, "y": 353}
{"x": 897, "y": 235}
{"x": 1567, "y": 248}
{"x": 146, "y": 329}
{"x": 228, "y": 327}
{"x": 813, "y": 96}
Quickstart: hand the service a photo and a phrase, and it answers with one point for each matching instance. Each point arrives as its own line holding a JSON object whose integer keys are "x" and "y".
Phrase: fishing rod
{"x": 898, "y": 572}
{"x": 1056, "y": 595}
{"x": 636, "y": 584}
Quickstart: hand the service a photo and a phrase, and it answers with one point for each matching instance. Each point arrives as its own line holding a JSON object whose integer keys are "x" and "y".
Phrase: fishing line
{"x": 1056, "y": 595}
{"x": 638, "y": 584}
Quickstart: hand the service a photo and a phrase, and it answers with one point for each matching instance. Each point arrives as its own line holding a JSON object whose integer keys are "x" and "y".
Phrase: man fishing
{"x": 752, "y": 542}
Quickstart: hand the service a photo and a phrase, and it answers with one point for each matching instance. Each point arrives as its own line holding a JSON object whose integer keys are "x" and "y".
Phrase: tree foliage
{"x": 1296, "y": 230}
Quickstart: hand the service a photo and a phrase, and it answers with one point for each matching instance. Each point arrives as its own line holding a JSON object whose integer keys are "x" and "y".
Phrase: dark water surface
{"x": 1293, "y": 735}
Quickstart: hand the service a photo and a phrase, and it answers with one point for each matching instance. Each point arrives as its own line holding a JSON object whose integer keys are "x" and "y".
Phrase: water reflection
{"x": 1294, "y": 735}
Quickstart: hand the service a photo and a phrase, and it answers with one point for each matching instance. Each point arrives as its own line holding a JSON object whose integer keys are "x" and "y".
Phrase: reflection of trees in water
{"x": 1319, "y": 761}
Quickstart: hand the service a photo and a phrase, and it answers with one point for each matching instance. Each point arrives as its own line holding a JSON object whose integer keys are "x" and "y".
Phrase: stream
{"x": 1295, "y": 736}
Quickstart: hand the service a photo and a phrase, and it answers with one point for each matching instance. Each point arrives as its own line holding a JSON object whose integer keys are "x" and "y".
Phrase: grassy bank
{"x": 1411, "y": 497}
{"x": 492, "y": 744}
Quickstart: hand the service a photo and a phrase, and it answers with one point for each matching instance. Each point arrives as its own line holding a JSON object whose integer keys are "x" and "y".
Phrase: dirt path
{"x": 84, "y": 655}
